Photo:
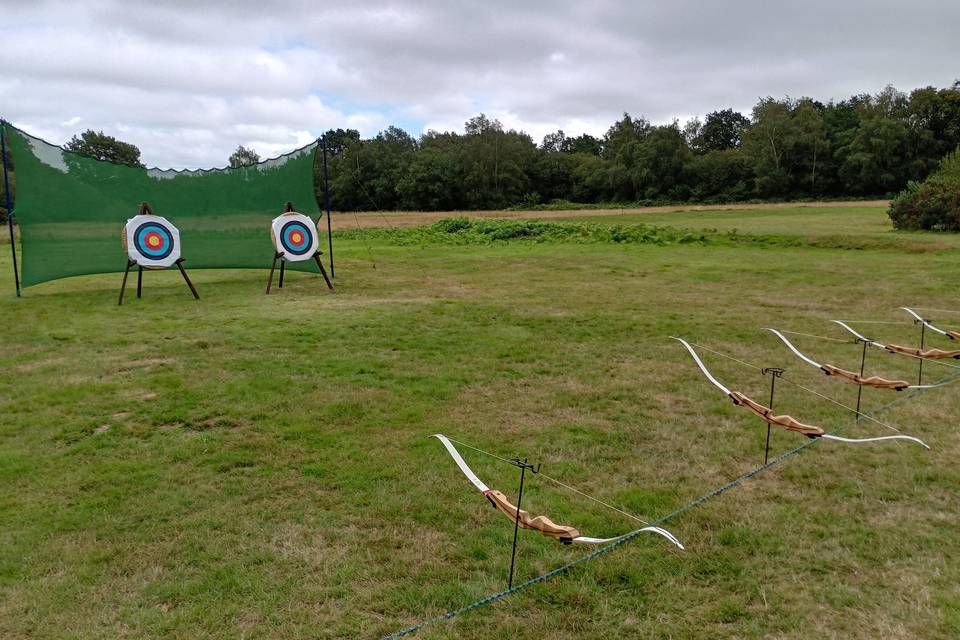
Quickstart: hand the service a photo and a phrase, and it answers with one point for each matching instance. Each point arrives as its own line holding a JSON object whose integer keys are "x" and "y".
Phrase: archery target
{"x": 152, "y": 241}
{"x": 295, "y": 235}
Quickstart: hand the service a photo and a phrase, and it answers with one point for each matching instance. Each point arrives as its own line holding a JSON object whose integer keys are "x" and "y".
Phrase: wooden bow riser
{"x": 953, "y": 335}
{"x": 870, "y": 381}
{"x": 787, "y": 422}
{"x": 542, "y": 524}
{"x": 926, "y": 354}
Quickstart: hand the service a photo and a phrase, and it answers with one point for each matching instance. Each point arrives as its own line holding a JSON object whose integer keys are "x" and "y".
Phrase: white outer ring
{"x": 146, "y": 261}
{"x": 293, "y": 216}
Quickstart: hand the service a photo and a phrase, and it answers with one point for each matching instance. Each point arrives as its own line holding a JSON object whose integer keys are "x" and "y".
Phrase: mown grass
{"x": 260, "y": 466}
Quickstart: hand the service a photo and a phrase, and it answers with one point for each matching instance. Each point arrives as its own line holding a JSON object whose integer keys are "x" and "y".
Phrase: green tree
{"x": 496, "y": 164}
{"x": 590, "y": 179}
{"x": 934, "y": 117}
{"x": 721, "y": 130}
{"x": 554, "y": 142}
{"x": 724, "y": 176}
{"x": 811, "y": 146}
{"x": 243, "y": 156}
{"x": 431, "y": 182}
{"x": 621, "y": 150}
{"x": 584, "y": 143}
{"x": 103, "y": 147}
{"x": 552, "y": 175}
{"x": 622, "y": 136}
{"x": 878, "y": 159}
{"x": 658, "y": 170}
{"x": 337, "y": 140}
{"x": 768, "y": 142}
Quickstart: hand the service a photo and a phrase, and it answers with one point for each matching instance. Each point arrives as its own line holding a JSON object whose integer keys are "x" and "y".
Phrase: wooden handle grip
{"x": 871, "y": 381}
{"x": 787, "y": 422}
{"x": 927, "y": 354}
{"x": 543, "y": 524}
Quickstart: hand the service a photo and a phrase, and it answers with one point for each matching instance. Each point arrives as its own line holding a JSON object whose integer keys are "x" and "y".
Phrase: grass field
{"x": 254, "y": 466}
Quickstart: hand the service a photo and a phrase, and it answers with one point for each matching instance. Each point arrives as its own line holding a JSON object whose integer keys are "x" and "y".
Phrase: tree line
{"x": 866, "y": 145}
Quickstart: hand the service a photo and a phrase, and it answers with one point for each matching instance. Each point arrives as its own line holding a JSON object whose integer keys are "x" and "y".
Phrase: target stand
{"x": 294, "y": 237}
{"x": 151, "y": 242}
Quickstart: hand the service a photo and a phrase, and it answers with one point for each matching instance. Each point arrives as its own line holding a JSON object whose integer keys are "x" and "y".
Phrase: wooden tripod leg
{"x": 193, "y": 289}
{"x": 139, "y": 280}
{"x": 283, "y": 264}
{"x": 126, "y": 272}
{"x": 323, "y": 271}
{"x": 273, "y": 266}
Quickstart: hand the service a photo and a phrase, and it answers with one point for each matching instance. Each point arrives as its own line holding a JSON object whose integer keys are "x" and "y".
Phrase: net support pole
{"x": 6, "y": 191}
{"x": 326, "y": 202}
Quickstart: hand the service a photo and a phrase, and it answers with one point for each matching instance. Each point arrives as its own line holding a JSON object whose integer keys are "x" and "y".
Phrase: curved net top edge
{"x": 158, "y": 172}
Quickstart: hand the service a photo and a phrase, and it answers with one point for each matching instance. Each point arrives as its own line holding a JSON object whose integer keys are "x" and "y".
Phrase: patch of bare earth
{"x": 388, "y": 219}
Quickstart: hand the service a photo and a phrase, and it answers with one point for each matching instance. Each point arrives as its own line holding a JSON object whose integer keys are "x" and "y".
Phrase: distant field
{"x": 820, "y": 220}
{"x": 253, "y": 466}
{"x": 850, "y": 215}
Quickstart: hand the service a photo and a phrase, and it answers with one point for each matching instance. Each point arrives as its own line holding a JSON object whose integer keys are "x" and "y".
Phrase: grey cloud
{"x": 189, "y": 81}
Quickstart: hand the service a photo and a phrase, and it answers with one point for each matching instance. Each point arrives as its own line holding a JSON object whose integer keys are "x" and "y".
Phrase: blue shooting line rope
{"x": 627, "y": 538}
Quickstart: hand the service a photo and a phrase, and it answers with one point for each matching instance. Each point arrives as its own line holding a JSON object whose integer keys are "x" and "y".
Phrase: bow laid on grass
{"x": 563, "y": 533}
{"x": 787, "y": 422}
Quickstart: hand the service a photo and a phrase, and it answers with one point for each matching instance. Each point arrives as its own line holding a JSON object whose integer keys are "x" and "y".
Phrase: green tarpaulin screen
{"x": 71, "y": 208}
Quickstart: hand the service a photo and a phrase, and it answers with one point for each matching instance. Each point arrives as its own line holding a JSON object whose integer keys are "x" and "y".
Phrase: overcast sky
{"x": 188, "y": 81}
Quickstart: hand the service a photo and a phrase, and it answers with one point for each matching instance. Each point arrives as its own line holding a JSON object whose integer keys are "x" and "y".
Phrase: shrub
{"x": 933, "y": 204}
{"x": 453, "y": 225}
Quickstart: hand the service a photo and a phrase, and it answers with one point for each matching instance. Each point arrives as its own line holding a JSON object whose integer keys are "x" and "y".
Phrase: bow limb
{"x": 702, "y": 366}
{"x": 543, "y": 524}
{"x": 793, "y": 348}
{"x": 467, "y": 471}
{"x": 861, "y": 440}
{"x": 657, "y": 530}
{"x": 851, "y": 376}
{"x": 787, "y": 422}
{"x": 913, "y": 352}
{"x": 953, "y": 335}
{"x": 858, "y": 336}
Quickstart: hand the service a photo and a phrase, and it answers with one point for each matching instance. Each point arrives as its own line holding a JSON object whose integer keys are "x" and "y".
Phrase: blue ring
{"x": 288, "y": 246}
{"x": 140, "y": 244}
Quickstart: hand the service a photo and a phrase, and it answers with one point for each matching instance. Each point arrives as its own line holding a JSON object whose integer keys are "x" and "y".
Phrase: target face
{"x": 295, "y": 235}
{"x": 152, "y": 241}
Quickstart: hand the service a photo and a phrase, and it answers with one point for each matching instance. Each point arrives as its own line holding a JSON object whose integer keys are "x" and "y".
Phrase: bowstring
{"x": 811, "y": 335}
{"x": 937, "y": 310}
{"x": 797, "y": 384}
{"x": 909, "y": 355}
{"x": 557, "y": 482}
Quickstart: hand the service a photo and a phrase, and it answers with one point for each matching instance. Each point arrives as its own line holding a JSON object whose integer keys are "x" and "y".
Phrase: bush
{"x": 463, "y": 231}
{"x": 453, "y": 225}
{"x": 932, "y": 205}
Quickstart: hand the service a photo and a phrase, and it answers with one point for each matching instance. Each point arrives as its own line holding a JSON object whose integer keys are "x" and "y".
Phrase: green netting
{"x": 71, "y": 209}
